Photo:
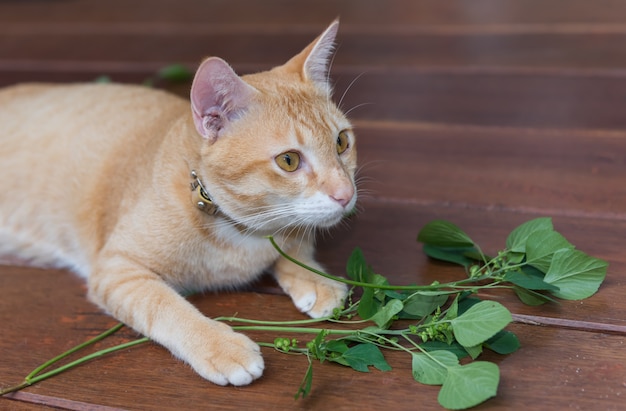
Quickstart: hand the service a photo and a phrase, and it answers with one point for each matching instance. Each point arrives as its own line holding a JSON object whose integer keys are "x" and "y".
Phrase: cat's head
{"x": 276, "y": 151}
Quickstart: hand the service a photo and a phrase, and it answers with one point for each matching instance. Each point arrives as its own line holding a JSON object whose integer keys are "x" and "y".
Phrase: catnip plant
{"x": 443, "y": 328}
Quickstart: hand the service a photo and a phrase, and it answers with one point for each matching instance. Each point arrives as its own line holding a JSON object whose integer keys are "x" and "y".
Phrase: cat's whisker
{"x": 308, "y": 236}
{"x": 262, "y": 221}
{"x": 360, "y": 176}
{"x": 262, "y": 212}
{"x": 363, "y": 180}
{"x": 365, "y": 195}
{"x": 356, "y": 107}
{"x": 365, "y": 185}
{"x": 269, "y": 216}
{"x": 358, "y": 209}
{"x": 348, "y": 89}
{"x": 368, "y": 165}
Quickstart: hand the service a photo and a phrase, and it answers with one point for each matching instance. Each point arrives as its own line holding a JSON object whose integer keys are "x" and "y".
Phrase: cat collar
{"x": 201, "y": 196}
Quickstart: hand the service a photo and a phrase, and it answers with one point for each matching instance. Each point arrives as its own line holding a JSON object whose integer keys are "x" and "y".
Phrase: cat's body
{"x": 97, "y": 178}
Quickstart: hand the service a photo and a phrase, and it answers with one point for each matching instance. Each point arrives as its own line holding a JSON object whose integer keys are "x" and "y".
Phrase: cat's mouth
{"x": 330, "y": 220}
{"x": 266, "y": 223}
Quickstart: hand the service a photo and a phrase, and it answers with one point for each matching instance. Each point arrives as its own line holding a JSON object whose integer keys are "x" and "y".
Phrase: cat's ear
{"x": 314, "y": 61}
{"x": 218, "y": 96}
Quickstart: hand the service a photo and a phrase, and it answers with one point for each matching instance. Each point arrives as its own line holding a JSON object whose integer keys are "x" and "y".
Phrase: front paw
{"x": 228, "y": 357}
{"x": 318, "y": 297}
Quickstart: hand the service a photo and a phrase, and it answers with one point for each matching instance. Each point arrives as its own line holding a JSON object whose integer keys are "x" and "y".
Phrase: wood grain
{"x": 486, "y": 113}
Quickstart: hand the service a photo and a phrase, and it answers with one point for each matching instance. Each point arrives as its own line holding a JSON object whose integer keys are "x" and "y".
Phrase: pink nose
{"x": 343, "y": 195}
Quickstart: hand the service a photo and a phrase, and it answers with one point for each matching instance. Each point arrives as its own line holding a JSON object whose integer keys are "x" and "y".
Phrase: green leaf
{"x": 530, "y": 297}
{"x": 469, "y": 385}
{"x": 504, "y": 342}
{"x": 474, "y": 351}
{"x": 361, "y": 356}
{"x": 419, "y": 305}
{"x": 305, "y": 385}
{"x": 541, "y": 246}
{"x": 339, "y": 346}
{"x": 368, "y": 305}
{"x": 481, "y": 322}
{"x": 516, "y": 241}
{"x": 372, "y": 299}
{"x": 432, "y": 368}
{"x": 466, "y": 302}
{"x": 454, "y": 348}
{"x": 386, "y": 313}
{"x": 453, "y": 311}
{"x": 334, "y": 350}
{"x": 317, "y": 350}
{"x": 515, "y": 258}
{"x": 455, "y": 255}
{"x": 444, "y": 234}
{"x": 176, "y": 73}
{"x": 400, "y": 295}
{"x": 529, "y": 278}
{"x": 104, "y": 79}
{"x": 577, "y": 274}
{"x": 357, "y": 268}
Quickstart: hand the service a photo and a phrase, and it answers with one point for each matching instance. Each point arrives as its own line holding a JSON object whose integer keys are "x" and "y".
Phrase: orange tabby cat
{"x": 97, "y": 178}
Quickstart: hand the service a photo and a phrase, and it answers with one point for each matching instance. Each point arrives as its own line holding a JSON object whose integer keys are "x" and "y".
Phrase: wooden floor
{"x": 486, "y": 112}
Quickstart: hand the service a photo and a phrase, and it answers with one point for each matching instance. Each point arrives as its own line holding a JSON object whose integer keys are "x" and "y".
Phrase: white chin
{"x": 330, "y": 221}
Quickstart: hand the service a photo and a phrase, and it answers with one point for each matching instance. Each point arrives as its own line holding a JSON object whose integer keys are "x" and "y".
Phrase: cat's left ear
{"x": 314, "y": 60}
{"x": 218, "y": 96}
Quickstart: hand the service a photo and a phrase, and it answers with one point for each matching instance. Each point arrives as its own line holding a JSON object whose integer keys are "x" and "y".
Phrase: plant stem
{"x": 14, "y": 388}
{"x": 35, "y": 376}
{"x": 272, "y": 323}
{"x": 79, "y": 347}
{"x": 436, "y": 287}
{"x": 330, "y": 318}
{"x": 300, "y": 330}
{"x": 86, "y": 358}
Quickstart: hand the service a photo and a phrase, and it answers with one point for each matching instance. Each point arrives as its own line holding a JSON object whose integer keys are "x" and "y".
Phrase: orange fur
{"x": 96, "y": 178}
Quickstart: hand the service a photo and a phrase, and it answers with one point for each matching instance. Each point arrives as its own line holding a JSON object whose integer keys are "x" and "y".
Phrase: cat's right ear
{"x": 313, "y": 63}
{"x": 218, "y": 96}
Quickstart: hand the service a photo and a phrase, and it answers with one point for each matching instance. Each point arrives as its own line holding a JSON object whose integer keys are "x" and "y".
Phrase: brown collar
{"x": 201, "y": 197}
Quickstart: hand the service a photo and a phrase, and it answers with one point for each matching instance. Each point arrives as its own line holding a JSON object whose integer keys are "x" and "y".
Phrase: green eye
{"x": 343, "y": 142}
{"x": 289, "y": 161}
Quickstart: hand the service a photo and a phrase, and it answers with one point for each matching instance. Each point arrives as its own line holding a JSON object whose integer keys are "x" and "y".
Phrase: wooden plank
{"x": 587, "y": 52}
{"x": 540, "y": 171}
{"x": 404, "y": 34}
{"x": 487, "y": 99}
{"x": 388, "y": 14}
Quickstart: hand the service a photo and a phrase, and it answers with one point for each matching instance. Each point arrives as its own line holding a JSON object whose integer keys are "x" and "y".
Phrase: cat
{"x": 148, "y": 195}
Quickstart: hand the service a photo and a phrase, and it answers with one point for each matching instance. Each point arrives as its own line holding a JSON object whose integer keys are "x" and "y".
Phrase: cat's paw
{"x": 318, "y": 297}
{"x": 229, "y": 358}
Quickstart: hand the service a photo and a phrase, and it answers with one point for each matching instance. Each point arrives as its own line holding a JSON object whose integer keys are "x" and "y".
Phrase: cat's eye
{"x": 343, "y": 142}
{"x": 289, "y": 161}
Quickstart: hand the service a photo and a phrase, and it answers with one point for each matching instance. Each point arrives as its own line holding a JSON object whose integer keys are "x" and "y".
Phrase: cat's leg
{"x": 142, "y": 300}
{"x": 311, "y": 293}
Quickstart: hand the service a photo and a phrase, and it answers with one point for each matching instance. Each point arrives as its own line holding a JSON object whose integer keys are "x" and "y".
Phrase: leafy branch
{"x": 437, "y": 325}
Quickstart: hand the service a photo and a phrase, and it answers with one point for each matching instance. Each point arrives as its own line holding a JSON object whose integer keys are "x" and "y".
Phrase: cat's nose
{"x": 343, "y": 195}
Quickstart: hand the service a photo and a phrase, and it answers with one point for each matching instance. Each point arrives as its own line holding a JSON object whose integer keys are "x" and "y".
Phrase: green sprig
{"x": 37, "y": 375}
